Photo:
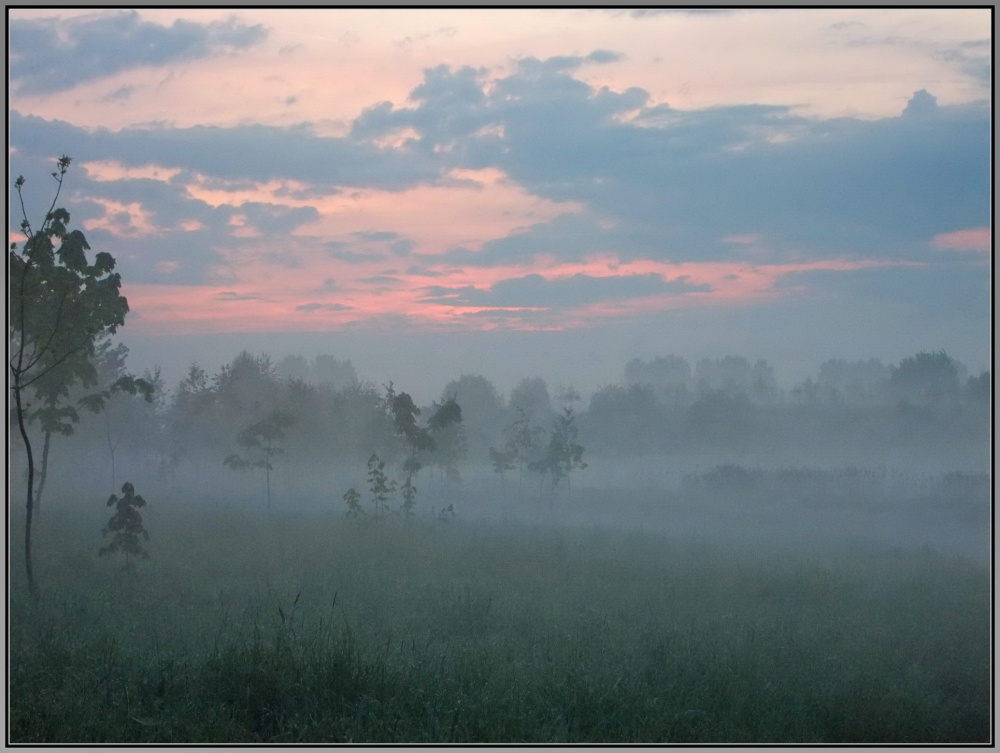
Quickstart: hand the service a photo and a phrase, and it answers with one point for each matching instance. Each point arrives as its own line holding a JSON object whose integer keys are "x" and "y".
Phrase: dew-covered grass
{"x": 312, "y": 628}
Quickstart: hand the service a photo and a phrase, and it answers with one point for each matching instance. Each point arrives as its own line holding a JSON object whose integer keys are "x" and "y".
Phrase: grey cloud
{"x": 275, "y": 219}
{"x": 578, "y": 290}
{"x": 121, "y": 94}
{"x": 532, "y": 66}
{"x": 376, "y": 235}
{"x": 353, "y": 257}
{"x": 679, "y": 181}
{"x": 311, "y": 307}
{"x": 52, "y": 55}
{"x": 973, "y": 58}
{"x": 229, "y": 295}
{"x": 249, "y": 153}
{"x": 421, "y": 271}
{"x": 922, "y": 103}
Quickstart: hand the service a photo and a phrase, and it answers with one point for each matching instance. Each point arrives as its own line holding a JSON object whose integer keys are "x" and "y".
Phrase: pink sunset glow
{"x": 974, "y": 239}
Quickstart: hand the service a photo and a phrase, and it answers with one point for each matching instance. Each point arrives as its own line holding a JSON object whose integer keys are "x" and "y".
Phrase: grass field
{"x": 313, "y": 628}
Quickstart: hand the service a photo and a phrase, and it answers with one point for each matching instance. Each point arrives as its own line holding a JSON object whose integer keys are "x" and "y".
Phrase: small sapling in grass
{"x": 380, "y": 485}
{"x": 126, "y": 525}
{"x": 409, "y": 497}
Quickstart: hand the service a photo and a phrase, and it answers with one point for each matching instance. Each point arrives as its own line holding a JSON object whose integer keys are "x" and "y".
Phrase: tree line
{"x": 69, "y": 382}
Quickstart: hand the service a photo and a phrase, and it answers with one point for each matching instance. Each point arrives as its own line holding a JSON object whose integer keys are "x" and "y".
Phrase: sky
{"x": 520, "y": 192}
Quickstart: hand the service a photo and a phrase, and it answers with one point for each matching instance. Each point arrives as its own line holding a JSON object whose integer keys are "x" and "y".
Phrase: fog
{"x": 897, "y": 453}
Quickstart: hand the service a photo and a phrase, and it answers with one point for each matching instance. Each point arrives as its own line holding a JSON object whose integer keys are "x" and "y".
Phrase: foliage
{"x": 521, "y": 447}
{"x": 502, "y": 461}
{"x": 564, "y": 453}
{"x": 260, "y": 439}
{"x": 59, "y": 304}
{"x": 126, "y": 525}
{"x": 353, "y": 501}
{"x": 447, "y": 436}
{"x": 379, "y": 484}
{"x": 721, "y": 419}
{"x": 409, "y": 492}
{"x": 929, "y": 377}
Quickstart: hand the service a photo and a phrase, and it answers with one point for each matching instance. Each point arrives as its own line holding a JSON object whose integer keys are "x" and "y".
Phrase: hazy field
{"x": 508, "y": 624}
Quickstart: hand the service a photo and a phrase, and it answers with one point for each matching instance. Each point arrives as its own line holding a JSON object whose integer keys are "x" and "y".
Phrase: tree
{"x": 380, "y": 485}
{"x": 441, "y": 440}
{"x": 261, "y": 438}
{"x": 928, "y": 377}
{"x": 669, "y": 377}
{"x": 521, "y": 447}
{"x": 978, "y": 389}
{"x": 531, "y": 396}
{"x": 564, "y": 454}
{"x": 482, "y": 412}
{"x": 447, "y": 436}
{"x": 113, "y": 399}
{"x": 192, "y": 426}
{"x": 59, "y": 306}
{"x": 722, "y": 420}
{"x": 126, "y": 525}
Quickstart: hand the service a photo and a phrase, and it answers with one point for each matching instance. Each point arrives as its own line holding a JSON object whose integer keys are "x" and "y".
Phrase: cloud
{"x": 922, "y": 103}
{"x": 533, "y": 290}
{"x": 978, "y": 239}
{"x": 532, "y": 66}
{"x": 229, "y": 295}
{"x": 692, "y": 177}
{"x": 53, "y": 55}
{"x": 249, "y": 153}
{"x": 376, "y": 235}
{"x": 311, "y": 307}
{"x": 534, "y": 170}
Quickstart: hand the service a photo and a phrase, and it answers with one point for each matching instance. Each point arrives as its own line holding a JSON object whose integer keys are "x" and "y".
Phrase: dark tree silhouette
{"x": 59, "y": 306}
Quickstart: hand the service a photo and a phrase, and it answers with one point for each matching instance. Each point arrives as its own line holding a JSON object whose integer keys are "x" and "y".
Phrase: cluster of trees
{"x": 733, "y": 404}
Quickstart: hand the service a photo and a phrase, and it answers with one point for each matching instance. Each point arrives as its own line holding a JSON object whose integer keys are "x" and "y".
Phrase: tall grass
{"x": 318, "y": 629}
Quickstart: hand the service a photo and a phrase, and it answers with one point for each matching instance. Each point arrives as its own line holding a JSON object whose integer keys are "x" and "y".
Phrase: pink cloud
{"x": 979, "y": 239}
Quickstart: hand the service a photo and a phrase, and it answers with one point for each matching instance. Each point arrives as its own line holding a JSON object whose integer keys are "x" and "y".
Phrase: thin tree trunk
{"x": 111, "y": 447}
{"x": 43, "y": 472}
{"x": 29, "y": 505}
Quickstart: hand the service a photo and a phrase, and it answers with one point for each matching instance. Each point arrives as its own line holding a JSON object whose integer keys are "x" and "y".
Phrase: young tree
{"x": 126, "y": 525}
{"x": 380, "y": 485}
{"x": 521, "y": 448}
{"x": 564, "y": 454}
{"x": 441, "y": 439}
{"x": 260, "y": 439}
{"x": 59, "y": 306}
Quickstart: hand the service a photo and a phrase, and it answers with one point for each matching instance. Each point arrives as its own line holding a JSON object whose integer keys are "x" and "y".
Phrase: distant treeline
{"x": 329, "y": 416}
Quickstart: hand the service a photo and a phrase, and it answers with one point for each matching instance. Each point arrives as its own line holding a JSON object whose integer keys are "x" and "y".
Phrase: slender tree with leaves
{"x": 260, "y": 440}
{"x": 564, "y": 454}
{"x": 59, "y": 305}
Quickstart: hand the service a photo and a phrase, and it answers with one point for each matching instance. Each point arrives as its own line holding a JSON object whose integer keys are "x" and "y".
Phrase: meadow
{"x": 309, "y": 627}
